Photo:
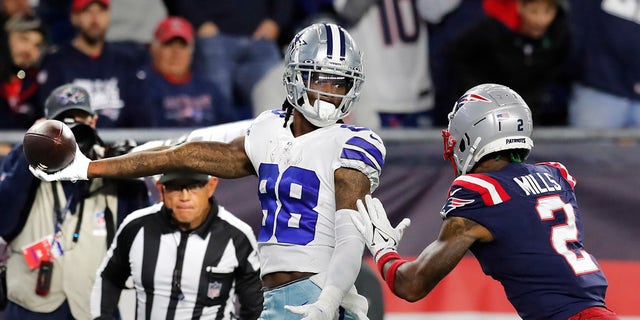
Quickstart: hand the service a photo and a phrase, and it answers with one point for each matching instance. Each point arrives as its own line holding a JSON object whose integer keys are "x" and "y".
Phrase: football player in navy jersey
{"x": 311, "y": 169}
{"x": 520, "y": 220}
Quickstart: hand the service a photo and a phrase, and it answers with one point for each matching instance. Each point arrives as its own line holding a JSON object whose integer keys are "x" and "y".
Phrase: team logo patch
{"x": 453, "y": 203}
{"x": 214, "y": 289}
{"x": 297, "y": 42}
{"x": 472, "y": 97}
{"x": 71, "y": 96}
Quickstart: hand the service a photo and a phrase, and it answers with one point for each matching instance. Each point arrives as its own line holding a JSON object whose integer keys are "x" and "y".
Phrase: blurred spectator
{"x": 127, "y": 24}
{"x": 173, "y": 96}
{"x": 55, "y": 15}
{"x": 607, "y": 91}
{"x": 8, "y": 9}
{"x": 19, "y": 107}
{"x": 88, "y": 61}
{"x": 466, "y": 15}
{"x": 236, "y": 43}
{"x": 526, "y": 46}
{"x": 61, "y": 227}
{"x": 398, "y": 89}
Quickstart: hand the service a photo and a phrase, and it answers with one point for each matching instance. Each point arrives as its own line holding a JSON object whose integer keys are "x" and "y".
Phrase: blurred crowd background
{"x": 187, "y": 64}
{"x": 196, "y": 63}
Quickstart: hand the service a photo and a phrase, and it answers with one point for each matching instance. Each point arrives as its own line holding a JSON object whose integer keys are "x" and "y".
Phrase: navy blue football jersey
{"x": 537, "y": 252}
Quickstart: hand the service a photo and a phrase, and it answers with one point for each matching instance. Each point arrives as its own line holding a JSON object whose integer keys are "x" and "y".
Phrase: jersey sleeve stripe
{"x": 491, "y": 191}
{"x": 563, "y": 171}
{"x": 358, "y": 155}
{"x": 369, "y": 148}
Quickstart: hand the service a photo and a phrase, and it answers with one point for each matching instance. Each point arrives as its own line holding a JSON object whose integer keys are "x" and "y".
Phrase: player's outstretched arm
{"x": 223, "y": 160}
{"x": 413, "y": 280}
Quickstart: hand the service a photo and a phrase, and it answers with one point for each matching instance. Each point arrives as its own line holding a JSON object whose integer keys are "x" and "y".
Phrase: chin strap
{"x": 472, "y": 149}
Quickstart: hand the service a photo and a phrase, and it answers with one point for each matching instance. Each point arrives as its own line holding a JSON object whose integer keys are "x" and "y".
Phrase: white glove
{"x": 325, "y": 308}
{"x": 374, "y": 225}
{"x": 76, "y": 170}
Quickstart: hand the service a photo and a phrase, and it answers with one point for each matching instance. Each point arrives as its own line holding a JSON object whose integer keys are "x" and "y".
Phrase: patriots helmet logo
{"x": 471, "y": 97}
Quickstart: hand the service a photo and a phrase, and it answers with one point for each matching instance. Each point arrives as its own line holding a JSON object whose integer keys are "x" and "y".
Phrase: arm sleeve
{"x": 347, "y": 255}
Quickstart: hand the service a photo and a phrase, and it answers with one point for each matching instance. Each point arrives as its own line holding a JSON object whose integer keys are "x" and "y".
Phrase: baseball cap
{"x": 174, "y": 27}
{"x": 23, "y": 23}
{"x": 79, "y": 5}
{"x": 67, "y": 97}
{"x": 180, "y": 175}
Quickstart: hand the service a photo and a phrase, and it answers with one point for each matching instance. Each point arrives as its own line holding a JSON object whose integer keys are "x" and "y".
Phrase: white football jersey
{"x": 393, "y": 39}
{"x": 297, "y": 189}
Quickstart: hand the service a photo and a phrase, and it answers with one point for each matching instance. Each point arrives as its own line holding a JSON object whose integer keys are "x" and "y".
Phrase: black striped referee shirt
{"x": 181, "y": 275}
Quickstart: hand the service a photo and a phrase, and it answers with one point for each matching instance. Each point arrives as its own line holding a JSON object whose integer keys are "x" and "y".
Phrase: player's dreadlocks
{"x": 286, "y": 106}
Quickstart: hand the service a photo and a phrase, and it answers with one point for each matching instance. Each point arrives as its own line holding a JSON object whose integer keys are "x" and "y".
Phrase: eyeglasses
{"x": 191, "y": 187}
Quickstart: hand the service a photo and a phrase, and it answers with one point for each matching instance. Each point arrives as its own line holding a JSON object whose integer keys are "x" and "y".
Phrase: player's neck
{"x": 490, "y": 165}
{"x": 300, "y": 124}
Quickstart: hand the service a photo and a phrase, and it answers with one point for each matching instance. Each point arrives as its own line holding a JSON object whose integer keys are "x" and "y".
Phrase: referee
{"x": 188, "y": 258}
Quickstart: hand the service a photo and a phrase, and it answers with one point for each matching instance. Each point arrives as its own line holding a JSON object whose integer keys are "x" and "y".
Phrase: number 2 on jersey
{"x": 563, "y": 234}
{"x": 294, "y": 221}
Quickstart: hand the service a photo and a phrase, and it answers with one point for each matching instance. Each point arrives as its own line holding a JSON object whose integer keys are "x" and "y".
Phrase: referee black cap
{"x": 200, "y": 177}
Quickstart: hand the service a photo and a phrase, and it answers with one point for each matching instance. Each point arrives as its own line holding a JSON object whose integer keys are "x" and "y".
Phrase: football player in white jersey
{"x": 311, "y": 170}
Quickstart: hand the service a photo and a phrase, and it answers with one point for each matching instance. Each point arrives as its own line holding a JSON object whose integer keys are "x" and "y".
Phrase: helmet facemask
{"x": 311, "y": 67}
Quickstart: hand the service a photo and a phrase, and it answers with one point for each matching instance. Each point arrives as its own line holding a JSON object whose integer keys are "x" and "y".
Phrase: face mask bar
{"x": 314, "y": 79}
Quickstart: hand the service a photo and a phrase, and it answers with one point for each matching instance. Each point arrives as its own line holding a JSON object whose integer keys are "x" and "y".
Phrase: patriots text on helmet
{"x": 515, "y": 140}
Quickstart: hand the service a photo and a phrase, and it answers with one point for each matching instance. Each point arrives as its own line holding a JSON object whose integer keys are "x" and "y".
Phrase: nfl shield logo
{"x": 214, "y": 290}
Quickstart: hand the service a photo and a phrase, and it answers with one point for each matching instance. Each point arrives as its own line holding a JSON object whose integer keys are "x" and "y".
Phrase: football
{"x": 49, "y": 145}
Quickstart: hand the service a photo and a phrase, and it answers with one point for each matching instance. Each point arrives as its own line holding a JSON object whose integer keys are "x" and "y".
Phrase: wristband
{"x": 391, "y": 273}
{"x": 385, "y": 258}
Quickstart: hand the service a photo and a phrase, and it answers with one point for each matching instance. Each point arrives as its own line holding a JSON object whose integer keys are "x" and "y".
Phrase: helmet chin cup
{"x": 321, "y": 114}
{"x": 325, "y": 110}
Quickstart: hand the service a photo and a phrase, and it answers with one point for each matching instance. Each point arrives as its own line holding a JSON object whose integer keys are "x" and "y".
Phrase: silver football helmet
{"x": 323, "y": 52}
{"x": 486, "y": 119}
